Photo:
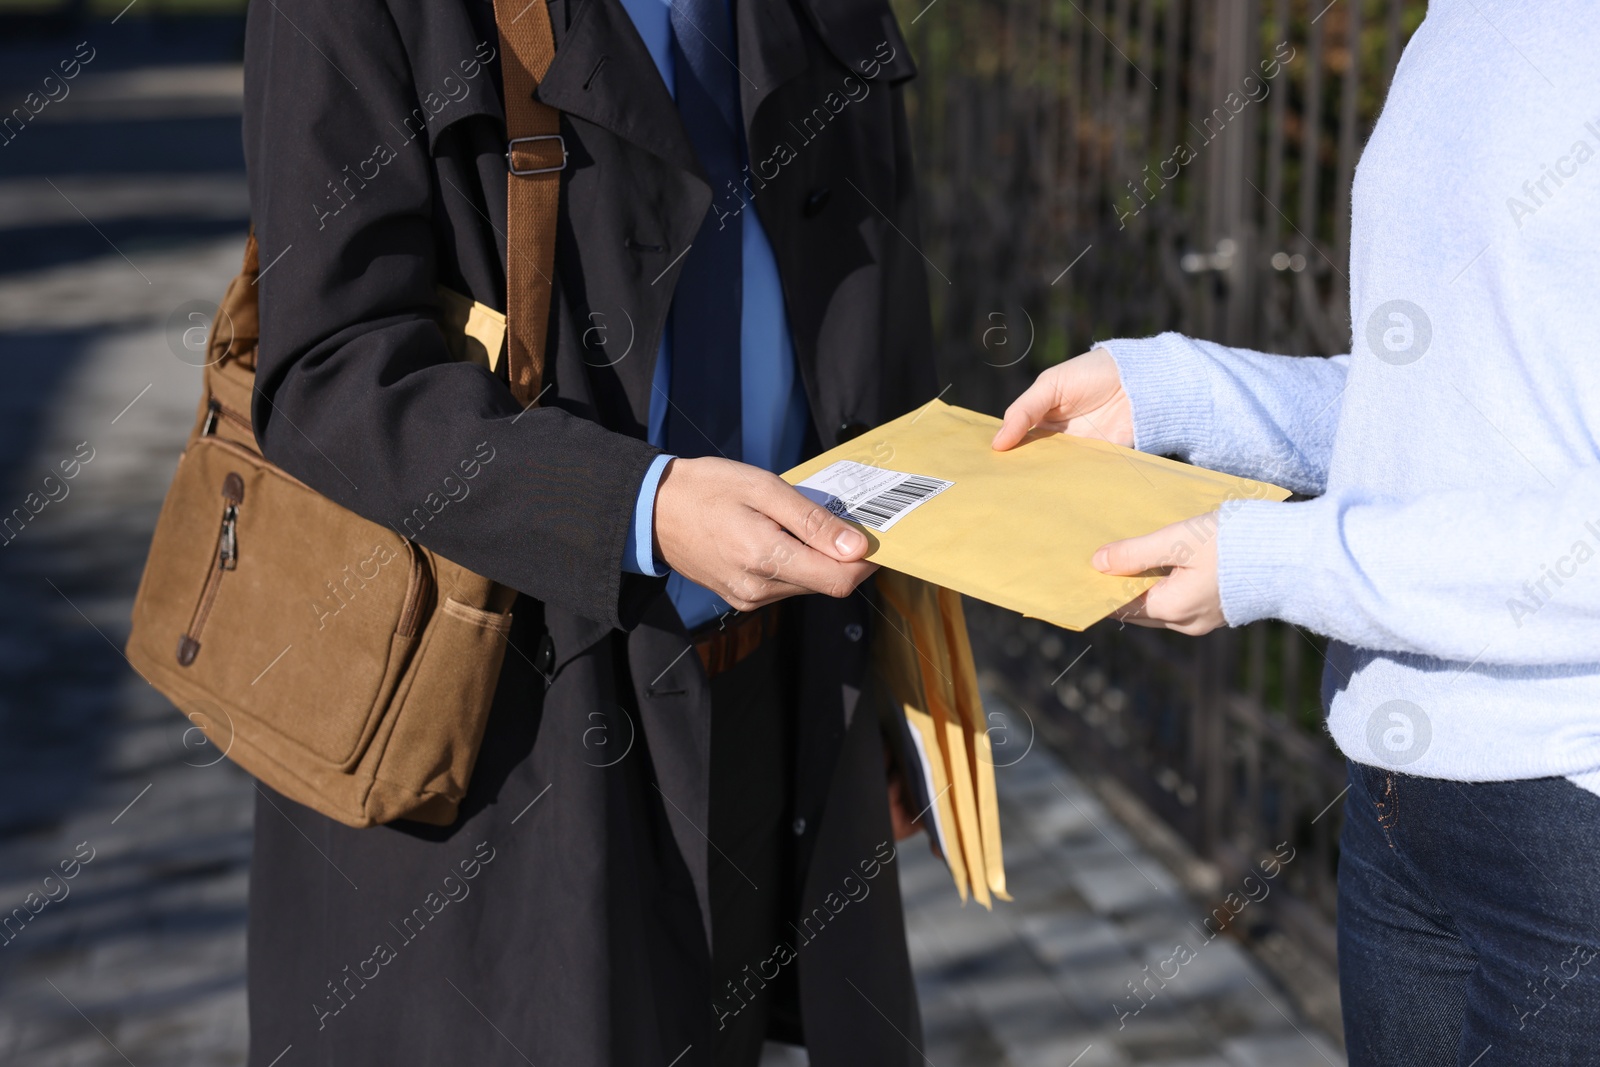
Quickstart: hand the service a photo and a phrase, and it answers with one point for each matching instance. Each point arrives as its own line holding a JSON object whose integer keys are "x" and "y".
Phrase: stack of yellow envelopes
{"x": 925, "y": 660}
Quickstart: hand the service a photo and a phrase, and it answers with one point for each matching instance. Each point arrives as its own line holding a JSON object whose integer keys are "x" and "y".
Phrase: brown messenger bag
{"x": 342, "y": 664}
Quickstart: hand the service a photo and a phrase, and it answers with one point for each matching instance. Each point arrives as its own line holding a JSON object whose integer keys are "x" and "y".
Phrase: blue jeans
{"x": 1469, "y": 922}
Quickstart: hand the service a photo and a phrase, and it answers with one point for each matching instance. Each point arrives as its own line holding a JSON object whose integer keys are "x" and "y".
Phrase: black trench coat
{"x": 561, "y": 920}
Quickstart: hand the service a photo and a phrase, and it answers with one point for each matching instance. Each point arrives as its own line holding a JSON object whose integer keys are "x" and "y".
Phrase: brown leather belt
{"x": 730, "y": 640}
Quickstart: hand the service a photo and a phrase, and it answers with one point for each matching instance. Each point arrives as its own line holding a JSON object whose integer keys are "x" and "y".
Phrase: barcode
{"x": 882, "y": 509}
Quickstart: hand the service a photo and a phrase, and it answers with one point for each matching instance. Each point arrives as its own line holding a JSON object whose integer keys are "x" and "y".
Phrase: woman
{"x": 1454, "y": 455}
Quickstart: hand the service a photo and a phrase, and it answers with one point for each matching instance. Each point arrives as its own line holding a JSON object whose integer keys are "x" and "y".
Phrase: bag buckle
{"x": 511, "y": 148}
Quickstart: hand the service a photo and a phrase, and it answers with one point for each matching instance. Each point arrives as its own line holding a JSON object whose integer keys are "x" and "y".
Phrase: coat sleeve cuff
{"x": 1261, "y": 549}
{"x": 1166, "y": 383}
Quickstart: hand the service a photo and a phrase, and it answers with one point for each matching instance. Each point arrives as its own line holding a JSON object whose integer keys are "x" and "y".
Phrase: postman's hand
{"x": 904, "y": 822}
{"x": 749, "y": 537}
{"x": 1187, "y": 599}
{"x": 1082, "y": 396}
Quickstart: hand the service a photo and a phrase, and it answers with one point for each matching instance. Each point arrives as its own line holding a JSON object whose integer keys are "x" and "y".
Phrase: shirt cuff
{"x": 1262, "y": 548}
{"x": 639, "y": 557}
{"x": 1166, "y": 383}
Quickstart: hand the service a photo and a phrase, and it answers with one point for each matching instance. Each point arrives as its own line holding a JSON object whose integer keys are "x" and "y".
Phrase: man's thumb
{"x": 818, "y": 527}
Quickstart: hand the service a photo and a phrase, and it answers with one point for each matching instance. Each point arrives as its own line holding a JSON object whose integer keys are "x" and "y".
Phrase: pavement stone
{"x": 1048, "y": 976}
{"x": 1289, "y": 1049}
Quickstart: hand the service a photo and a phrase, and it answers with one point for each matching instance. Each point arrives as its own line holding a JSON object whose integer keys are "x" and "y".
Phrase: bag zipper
{"x": 420, "y": 584}
{"x": 225, "y": 559}
{"x": 215, "y": 408}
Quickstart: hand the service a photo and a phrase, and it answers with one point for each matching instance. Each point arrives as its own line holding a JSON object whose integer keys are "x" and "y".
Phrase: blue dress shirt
{"x": 773, "y": 403}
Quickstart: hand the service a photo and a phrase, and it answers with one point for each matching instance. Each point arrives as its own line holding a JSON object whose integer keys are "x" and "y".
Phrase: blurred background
{"x": 1089, "y": 169}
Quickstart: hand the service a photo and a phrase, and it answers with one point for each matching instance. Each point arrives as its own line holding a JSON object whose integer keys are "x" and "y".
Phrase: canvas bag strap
{"x": 236, "y": 327}
{"x": 535, "y": 157}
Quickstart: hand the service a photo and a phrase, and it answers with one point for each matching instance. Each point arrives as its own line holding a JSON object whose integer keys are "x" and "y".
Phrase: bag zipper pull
{"x": 213, "y": 409}
{"x": 228, "y": 545}
{"x": 229, "y": 552}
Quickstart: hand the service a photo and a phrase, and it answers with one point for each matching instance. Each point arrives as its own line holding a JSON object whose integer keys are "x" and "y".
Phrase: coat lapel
{"x": 603, "y": 73}
{"x": 771, "y": 50}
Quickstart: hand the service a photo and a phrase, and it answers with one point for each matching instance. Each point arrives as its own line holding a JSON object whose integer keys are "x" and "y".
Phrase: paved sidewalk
{"x": 1048, "y": 979}
{"x": 143, "y": 956}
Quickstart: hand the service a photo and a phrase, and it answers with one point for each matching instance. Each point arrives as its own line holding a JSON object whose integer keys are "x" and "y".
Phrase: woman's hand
{"x": 1188, "y": 599}
{"x": 1082, "y": 396}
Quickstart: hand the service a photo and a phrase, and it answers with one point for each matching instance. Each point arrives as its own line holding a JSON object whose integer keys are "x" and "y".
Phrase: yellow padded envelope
{"x": 916, "y": 603}
{"x": 899, "y": 661}
{"x": 1019, "y": 528}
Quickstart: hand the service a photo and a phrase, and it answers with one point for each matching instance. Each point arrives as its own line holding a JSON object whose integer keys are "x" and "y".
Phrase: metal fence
{"x": 1100, "y": 168}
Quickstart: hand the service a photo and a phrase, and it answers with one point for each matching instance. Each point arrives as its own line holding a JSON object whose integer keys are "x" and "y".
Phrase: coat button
{"x": 799, "y": 825}
{"x": 853, "y": 631}
{"x": 849, "y": 430}
{"x": 545, "y": 659}
{"x": 816, "y": 202}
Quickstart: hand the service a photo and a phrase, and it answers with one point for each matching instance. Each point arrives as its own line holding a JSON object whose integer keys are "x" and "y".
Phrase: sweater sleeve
{"x": 1231, "y": 409}
{"x": 357, "y": 394}
{"x": 1466, "y": 576}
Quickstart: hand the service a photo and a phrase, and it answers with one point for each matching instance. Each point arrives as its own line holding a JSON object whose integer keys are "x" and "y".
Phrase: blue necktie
{"x": 704, "y": 416}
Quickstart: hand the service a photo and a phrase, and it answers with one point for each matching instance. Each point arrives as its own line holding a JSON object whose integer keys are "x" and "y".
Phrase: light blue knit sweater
{"x": 1453, "y": 550}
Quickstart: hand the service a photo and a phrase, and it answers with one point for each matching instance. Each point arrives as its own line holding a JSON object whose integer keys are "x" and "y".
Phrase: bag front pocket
{"x": 299, "y": 615}
{"x": 441, "y": 714}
